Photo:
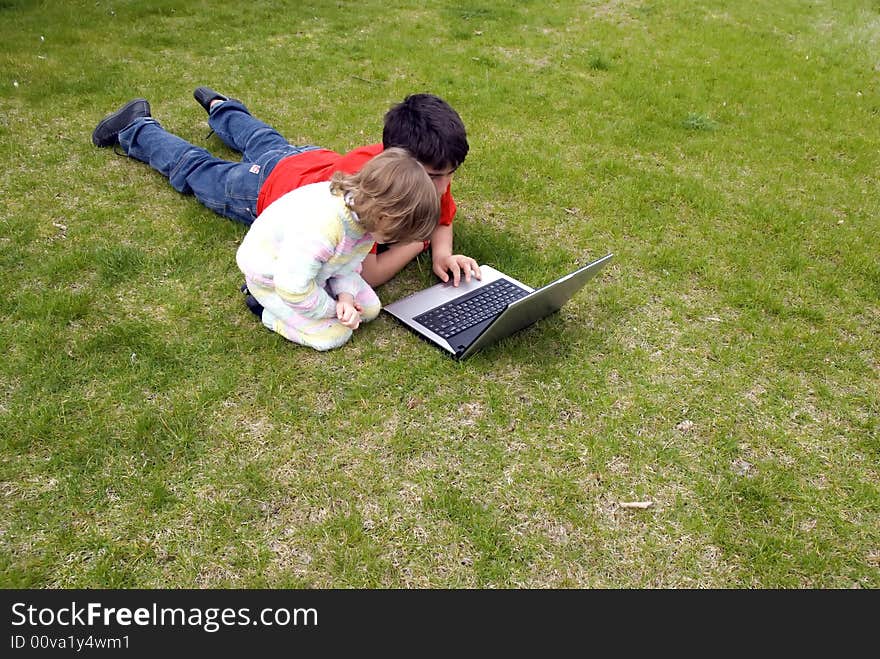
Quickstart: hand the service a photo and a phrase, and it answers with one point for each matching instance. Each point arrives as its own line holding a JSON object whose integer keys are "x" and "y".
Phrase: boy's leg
{"x": 241, "y": 131}
{"x": 227, "y": 188}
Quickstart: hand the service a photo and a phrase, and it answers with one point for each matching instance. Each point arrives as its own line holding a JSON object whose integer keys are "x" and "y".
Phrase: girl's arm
{"x": 295, "y": 281}
{"x": 348, "y": 311}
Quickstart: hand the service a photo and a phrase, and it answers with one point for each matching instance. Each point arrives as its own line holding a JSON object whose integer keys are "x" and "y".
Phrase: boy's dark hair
{"x": 427, "y": 127}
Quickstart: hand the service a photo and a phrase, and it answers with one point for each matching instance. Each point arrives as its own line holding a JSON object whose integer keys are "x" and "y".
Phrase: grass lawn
{"x": 724, "y": 368}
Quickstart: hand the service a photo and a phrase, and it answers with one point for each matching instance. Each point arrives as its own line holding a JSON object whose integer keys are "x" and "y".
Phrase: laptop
{"x": 478, "y": 313}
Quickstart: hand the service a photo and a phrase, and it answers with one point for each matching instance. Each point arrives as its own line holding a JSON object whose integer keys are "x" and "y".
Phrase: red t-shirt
{"x": 319, "y": 165}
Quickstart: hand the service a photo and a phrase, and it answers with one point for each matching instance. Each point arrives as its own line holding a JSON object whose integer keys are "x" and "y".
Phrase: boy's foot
{"x": 106, "y": 133}
{"x": 206, "y": 96}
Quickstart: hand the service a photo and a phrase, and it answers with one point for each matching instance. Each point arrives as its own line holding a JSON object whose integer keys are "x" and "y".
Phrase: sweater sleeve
{"x": 348, "y": 282}
{"x": 300, "y": 259}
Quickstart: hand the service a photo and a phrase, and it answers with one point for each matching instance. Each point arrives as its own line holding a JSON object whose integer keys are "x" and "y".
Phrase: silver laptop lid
{"x": 535, "y": 306}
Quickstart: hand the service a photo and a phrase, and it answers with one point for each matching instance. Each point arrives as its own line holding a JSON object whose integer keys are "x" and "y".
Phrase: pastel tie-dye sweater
{"x": 304, "y": 243}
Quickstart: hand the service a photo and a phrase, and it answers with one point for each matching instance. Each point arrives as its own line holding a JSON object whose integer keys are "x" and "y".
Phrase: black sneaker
{"x": 204, "y": 95}
{"x": 251, "y": 302}
{"x": 255, "y": 307}
{"x": 106, "y": 133}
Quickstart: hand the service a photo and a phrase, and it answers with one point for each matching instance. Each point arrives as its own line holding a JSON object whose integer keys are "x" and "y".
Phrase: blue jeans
{"x": 228, "y": 188}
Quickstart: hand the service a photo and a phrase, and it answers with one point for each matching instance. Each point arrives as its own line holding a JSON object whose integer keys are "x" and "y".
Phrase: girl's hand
{"x": 348, "y": 311}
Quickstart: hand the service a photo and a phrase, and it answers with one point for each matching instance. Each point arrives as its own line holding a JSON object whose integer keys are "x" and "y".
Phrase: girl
{"x": 302, "y": 256}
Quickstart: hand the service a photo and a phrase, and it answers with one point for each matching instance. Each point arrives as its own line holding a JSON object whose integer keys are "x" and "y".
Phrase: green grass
{"x": 725, "y": 367}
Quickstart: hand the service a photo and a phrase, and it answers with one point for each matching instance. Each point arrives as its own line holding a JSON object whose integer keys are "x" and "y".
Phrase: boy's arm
{"x": 379, "y": 268}
{"x": 444, "y": 260}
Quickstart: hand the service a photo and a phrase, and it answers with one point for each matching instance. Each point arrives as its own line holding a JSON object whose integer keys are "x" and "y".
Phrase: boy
{"x": 423, "y": 124}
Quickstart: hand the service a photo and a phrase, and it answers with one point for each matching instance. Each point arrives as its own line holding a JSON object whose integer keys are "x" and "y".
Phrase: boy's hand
{"x": 459, "y": 265}
{"x": 348, "y": 311}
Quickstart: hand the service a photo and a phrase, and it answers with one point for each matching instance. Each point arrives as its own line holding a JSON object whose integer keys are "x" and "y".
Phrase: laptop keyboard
{"x": 468, "y": 310}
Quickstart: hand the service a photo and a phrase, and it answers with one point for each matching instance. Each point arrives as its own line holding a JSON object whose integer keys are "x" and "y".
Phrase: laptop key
{"x": 458, "y": 315}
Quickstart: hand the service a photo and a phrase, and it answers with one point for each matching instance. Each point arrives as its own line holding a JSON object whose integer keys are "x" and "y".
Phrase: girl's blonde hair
{"x": 393, "y": 195}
